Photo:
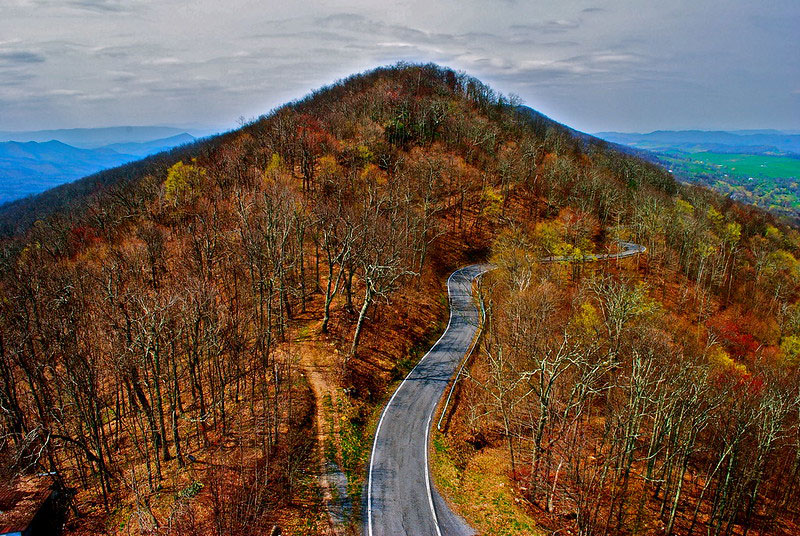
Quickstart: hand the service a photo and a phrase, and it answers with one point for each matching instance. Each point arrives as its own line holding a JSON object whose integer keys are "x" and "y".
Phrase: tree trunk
{"x": 361, "y": 316}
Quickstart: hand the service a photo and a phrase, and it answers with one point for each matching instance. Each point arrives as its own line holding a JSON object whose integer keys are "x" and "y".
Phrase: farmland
{"x": 769, "y": 181}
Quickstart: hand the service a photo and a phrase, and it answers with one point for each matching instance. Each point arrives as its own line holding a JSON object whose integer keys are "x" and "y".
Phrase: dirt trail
{"x": 319, "y": 361}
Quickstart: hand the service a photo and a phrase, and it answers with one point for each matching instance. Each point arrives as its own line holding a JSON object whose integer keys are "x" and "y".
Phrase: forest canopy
{"x": 157, "y": 320}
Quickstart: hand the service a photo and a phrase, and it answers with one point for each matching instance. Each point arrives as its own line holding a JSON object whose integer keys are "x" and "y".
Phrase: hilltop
{"x": 192, "y": 339}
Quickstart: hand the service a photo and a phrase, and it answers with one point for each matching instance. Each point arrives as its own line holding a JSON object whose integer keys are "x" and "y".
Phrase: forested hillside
{"x": 164, "y": 325}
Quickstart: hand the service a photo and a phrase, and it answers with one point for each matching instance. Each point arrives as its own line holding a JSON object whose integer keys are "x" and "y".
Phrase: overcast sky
{"x": 633, "y": 65}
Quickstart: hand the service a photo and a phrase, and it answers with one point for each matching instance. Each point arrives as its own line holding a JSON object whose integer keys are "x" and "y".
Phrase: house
{"x": 31, "y": 506}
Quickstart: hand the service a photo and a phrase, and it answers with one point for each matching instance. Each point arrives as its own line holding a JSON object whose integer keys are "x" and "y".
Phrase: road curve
{"x": 629, "y": 249}
{"x": 401, "y": 498}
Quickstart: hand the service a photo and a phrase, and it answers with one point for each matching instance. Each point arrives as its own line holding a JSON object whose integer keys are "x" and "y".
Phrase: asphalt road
{"x": 401, "y": 498}
{"x": 629, "y": 249}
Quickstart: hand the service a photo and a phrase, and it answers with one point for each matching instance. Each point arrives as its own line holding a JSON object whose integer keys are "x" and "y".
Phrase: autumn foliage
{"x": 149, "y": 318}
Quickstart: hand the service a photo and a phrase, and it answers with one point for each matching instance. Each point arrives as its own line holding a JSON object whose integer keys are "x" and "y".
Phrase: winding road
{"x": 401, "y": 498}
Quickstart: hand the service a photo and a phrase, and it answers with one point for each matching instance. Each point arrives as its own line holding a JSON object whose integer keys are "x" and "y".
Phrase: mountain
{"x": 755, "y": 141}
{"x": 202, "y": 341}
{"x": 150, "y": 147}
{"x": 91, "y": 138}
{"x": 56, "y": 152}
{"x": 31, "y": 167}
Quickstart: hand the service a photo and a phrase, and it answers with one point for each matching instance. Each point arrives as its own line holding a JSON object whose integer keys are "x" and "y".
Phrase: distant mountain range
{"x": 92, "y": 138}
{"x": 31, "y": 162}
{"x": 693, "y": 141}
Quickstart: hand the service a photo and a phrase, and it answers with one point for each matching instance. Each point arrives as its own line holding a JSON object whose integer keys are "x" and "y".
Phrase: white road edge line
{"x": 427, "y": 426}
{"x": 383, "y": 414}
{"x": 428, "y": 473}
{"x": 466, "y": 356}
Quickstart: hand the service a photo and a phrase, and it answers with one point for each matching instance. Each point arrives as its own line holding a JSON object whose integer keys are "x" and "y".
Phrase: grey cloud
{"x": 548, "y": 26}
{"x": 65, "y": 93}
{"x": 135, "y": 49}
{"x": 14, "y": 79}
{"x": 520, "y": 35}
{"x": 101, "y": 5}
{"x": 16, "y": 57}
{"x": 360, "y": 24}
{"x": 121, "y": 76}
{"x": 187, "y": 88}
{"x": 300, "y": 34}
{"x": 352, "y": 21}
{"x": 602, "y": 65}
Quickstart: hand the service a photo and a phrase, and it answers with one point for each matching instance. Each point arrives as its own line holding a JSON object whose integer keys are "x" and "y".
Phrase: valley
{"x": 755, "y": 167}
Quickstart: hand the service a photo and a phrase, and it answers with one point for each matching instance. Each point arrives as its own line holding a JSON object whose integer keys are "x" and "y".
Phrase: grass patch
{"x": 347, "y": 443}
{"x": 330, "y": 450}
{"x": 478, "y": 487}
{"x": 354, "y": 444}
{"x": 304, "y": 333}
{"x": 191, "y": 490}
{"x": 310, "y": 516}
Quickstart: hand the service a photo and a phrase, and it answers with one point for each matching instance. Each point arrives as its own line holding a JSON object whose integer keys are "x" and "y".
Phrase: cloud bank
{"x": 617, "y": 64}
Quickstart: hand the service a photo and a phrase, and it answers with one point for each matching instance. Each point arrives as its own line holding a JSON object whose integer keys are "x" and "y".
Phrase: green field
{"x": 744, "y": 165}
{"x": 769, "y": 181}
